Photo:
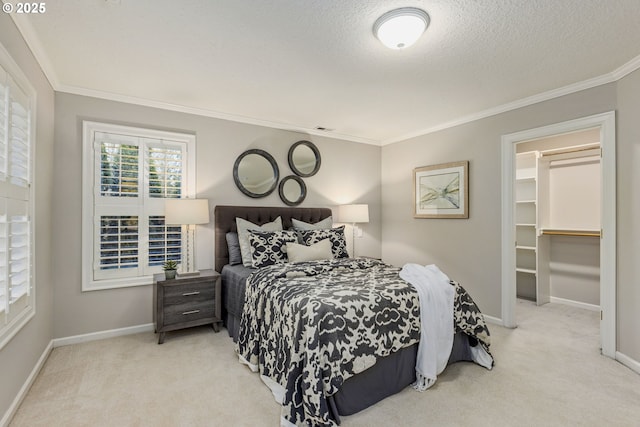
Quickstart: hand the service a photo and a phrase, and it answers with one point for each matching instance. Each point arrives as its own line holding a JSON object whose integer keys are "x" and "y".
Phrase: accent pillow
{"x": 270, "y": 247}
{"x": 233, "y": 245}
{"x": 243, "y": 235}
{"x": 320, "y": 250}
{"x": 336, "y": 235}
{"x": 320, "y": 225}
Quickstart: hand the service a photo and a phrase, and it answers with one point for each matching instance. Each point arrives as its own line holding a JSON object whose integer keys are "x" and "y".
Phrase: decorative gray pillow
{"x": 243, "y": 235}
{"x": 270, "y": 247}
{"x": 336, "y": 235}
{"x": 233, "y": 245}
{"x": 320, "y": 225}
{"x": 299, "y": 253}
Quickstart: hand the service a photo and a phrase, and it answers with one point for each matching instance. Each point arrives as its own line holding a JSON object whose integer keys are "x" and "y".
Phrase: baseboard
{"x": 76, "y": 339}
{"x": 494, "y": 320}
{"x": 578, "y": 304}
{"x": 4, "y": 422}
{"x": 634, "y": 365}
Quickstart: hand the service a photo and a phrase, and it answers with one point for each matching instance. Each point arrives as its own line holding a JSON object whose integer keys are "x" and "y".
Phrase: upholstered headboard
{"x": 225, "y": 221}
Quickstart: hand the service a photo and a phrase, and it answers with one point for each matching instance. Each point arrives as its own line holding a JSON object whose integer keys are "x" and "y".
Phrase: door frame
{"x": 608, "y": 255}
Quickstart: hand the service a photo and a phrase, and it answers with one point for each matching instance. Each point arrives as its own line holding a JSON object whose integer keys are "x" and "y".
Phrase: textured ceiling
{"x": 299, "y": 64}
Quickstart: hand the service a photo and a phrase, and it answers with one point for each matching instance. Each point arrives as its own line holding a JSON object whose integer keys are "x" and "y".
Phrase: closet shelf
{"x": 525, "y": 270}
{"x": 570, "y": 232}
{"x": 526, "y": 248}
{"x": 525, "y": 225}
{"x": 526, "y": 179}
{"x": 525, "y": 201}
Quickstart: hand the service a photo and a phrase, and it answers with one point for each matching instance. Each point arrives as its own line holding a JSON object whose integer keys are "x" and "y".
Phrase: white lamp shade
{"x": 400, "y": 28}
{"x": 186, "y": 211}
{"x": 353, "y": 213}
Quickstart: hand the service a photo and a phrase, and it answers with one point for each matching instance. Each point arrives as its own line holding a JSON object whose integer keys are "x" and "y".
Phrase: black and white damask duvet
{"x": 310, "y": 326}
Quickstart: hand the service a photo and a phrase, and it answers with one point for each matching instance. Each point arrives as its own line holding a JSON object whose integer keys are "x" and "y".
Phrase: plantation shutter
{"x": 15, "y": 180}
{"x": 133, "y": 175}
{"x": 19, "y": 136}
{"x": 4, "y": 123}
{"x": 4, "y": 261}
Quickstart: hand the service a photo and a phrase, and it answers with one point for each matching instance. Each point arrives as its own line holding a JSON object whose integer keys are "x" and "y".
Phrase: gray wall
{"x": 469, "y": 250}
{"x": 20, "y": 355}
{"x": 350, "y": 172}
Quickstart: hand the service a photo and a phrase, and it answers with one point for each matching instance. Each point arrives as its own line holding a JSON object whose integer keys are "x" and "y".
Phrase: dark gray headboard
{"x": 225, "y": 221}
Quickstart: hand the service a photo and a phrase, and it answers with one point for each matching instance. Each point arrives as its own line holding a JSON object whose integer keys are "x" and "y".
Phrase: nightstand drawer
{"x": 174, "y": 295}
{"x": 188, "y": 312}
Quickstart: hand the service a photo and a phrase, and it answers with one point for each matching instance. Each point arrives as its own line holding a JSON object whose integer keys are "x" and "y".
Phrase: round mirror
{"x": 292, "y": 190}
{"x": 304, "y": 158}
{"x": 256, "y": 173}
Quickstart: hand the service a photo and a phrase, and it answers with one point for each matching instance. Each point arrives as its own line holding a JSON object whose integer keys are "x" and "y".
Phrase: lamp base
{"x": 188, "y": 273}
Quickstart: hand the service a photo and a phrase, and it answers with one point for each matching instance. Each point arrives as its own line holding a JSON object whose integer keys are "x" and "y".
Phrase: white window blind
{"x": 17, "y": 99}
{"x": 129, "y": 172}
{"x": 165, "y": 242}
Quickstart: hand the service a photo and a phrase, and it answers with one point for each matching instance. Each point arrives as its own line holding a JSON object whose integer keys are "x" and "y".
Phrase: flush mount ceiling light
{"x": 400, "y": 28}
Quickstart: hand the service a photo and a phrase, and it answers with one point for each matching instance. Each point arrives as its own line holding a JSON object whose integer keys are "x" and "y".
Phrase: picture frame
{"x": 441, "y": 191}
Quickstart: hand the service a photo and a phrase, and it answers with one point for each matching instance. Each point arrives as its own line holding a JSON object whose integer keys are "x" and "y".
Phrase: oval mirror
{"x": 256, "y": 173}
{"x": 292, "y": 190}
{"x": 304, "y": 158}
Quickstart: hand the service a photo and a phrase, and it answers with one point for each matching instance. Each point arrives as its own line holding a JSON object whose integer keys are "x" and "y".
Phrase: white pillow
{"x": 244, "y": 226}
{"x": 320, "y": 225}
{"x": 320, "y": 250}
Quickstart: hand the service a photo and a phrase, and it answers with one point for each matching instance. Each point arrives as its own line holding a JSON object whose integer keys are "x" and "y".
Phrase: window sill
{"x": 100, "y": 285}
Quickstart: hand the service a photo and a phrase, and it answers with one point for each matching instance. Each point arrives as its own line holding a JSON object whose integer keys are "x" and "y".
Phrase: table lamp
{"x": 353, "y": 214}
{"x": 187, "y": 213}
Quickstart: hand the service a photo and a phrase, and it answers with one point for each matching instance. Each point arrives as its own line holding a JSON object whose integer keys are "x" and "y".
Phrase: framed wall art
{"x": 441, "y": 191}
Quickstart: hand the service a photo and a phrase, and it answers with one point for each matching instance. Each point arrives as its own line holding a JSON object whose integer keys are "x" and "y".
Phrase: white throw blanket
{"x": 436, "y": 317}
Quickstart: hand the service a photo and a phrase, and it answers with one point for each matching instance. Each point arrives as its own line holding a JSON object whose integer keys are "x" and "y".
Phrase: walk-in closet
{"x": 558, "y": 224}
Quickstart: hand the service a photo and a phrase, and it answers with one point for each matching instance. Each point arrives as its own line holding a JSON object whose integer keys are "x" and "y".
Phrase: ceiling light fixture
{"x": 400, "y": 28}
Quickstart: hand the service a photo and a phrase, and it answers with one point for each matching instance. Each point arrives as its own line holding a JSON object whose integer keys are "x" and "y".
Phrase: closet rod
{"x": 571, "y": 233}
{"x": 574, "y": 149}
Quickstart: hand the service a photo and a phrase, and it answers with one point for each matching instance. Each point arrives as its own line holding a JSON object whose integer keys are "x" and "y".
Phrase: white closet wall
{"x": 565, "y": 208}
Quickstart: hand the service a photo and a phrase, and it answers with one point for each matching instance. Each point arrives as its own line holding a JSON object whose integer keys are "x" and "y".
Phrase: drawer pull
{"x": 188, "y": 294}
{"x": 190, "y": 312}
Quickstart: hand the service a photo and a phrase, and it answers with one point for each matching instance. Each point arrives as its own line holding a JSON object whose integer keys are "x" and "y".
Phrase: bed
{"x": 361, "y": 388}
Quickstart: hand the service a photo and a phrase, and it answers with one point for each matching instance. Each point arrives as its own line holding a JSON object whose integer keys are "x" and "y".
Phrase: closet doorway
{"x": 527, "y": 223}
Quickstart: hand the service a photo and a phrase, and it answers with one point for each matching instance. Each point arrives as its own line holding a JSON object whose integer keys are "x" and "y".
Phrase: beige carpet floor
{"x": 548, "y": 373}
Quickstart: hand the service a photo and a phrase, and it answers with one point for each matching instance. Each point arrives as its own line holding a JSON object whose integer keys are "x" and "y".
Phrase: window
{"x": 17, "y": 101}
{"x": 128, "y": 174}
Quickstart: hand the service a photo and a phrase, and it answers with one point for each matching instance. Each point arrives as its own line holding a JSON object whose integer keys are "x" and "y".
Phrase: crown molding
{"x": 32, "y": 40}
{"x": 209, "y": 113}
{"x": 627, "y": 68}
{"x": 613, "y": 76}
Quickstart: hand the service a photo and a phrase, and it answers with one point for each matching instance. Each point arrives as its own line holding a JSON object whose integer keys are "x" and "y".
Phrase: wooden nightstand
{"x": 185, "y": 302}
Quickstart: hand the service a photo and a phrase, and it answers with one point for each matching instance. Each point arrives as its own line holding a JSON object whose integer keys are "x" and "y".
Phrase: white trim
{"x": 627, "y": 68}
{"x": 13, "y": 408}
{"x": 9, "y": 330}
{"x": 577, "y": 304}
{"x": 630, "y": 363}
{"x": 32, "y": 40}
{"x": 507, "y": 225}
{"x": 210, "y": 113}
{"x": 89, "y": 283}
{"x": 101, "y": 335}
{"x": 493, "y": 320}
{"x": 535, "y": 99}
{"x": 608, "y": 256}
